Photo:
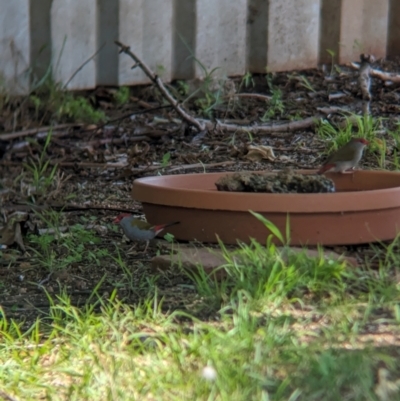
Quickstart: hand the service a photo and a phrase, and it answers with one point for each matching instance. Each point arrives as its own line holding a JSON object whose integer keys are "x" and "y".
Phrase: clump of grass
{"x": 277, "y": 273}
{"x": 129, "y": 353}
{"x": 122, "y": 95}
{"x": 42, "y": 173}
{"x": 361, "y": 126}
{"x": 276, "y": 107}
{"x": 288, "y": 327}
{"x": 52, "y": 103}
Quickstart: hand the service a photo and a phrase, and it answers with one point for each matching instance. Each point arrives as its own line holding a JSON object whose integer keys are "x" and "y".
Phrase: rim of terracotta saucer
{"x": 361, "y": 191}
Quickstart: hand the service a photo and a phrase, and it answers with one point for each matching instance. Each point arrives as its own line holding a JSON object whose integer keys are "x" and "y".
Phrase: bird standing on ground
{"x": 346, "y": 158}
{"x": 139, "y": 230}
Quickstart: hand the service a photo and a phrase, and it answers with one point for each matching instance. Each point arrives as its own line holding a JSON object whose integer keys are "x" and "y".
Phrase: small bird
{"x": 346, "y": 158}
{"x": 139, "y": 230}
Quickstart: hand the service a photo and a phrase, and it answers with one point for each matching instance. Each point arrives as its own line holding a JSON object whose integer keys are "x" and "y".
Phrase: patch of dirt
{"x": 97, "y": 164}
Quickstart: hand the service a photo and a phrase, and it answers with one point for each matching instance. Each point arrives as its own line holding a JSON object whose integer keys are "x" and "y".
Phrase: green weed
{"x": 183, "y": 87}
{"x": 247, "y": 81}
{"x": 122, "y": 95}
{"x": 276, "y": 106}
{"x": 166, "y": 159}
{"x": 42, "y": 173}
{"x": 356, "y": 126}
{"x": 334, "y": 67}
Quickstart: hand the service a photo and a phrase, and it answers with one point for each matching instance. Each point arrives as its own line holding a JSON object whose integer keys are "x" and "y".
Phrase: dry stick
{"x": 273, "y": 127}
{"x": 157, "y": 81}
{"x": 33, "y": 131}
{"x": 200, "y": 165}
{"x": 206, "y": 124}
{"x": 333, "y": 110}
{"x": 364, "y": 79}
{"x": 255, "y": 95}
{"x": 90, "y": 164}
{"x": 384, "y": 76}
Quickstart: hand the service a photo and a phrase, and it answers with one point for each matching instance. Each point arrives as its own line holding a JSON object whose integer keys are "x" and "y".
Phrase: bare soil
{"x": 98, "y": 164}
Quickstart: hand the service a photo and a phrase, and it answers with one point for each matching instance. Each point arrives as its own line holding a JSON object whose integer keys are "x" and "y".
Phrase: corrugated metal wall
{"x": 235, "y": 35}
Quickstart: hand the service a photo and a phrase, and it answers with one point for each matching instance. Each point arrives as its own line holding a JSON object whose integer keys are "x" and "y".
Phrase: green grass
{"x": 50, "y": 103}
{"x": 356, "y": 126}
{"x": 361, "y": 126}
{"x": 122, "y": 95}
{"x": 279, "y": 326}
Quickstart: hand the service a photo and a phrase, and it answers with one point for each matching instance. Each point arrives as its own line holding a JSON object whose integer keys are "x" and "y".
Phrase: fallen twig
{"x": 254, "y": 95}
{"x": 142, "y": 103}
{"x": 90, "y": 164}
{"x": 384, "y": 76}
{"x": 200, "y": 165}
{"x": 201, "y": 124}
{"x": 267, "y": 128}
{"x": 116, "y": 141}
{"x": 33, "y": 131}
{"x": 158, "y": 82}
{"x": 333, "y": 110}
{"x": 337, "y": 95}
{"x": 364, "y": 79}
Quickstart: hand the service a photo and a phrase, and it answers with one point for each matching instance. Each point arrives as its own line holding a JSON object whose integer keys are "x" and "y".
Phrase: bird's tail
{"x": 161, "y": 227}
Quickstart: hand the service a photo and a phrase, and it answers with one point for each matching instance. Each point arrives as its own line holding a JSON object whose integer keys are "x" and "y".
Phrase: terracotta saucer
{"x": 365, "y": 208}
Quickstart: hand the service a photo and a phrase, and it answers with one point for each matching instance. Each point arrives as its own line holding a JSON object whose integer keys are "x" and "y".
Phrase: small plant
{"x": 276, "y": 106}
{"x": 42, "y": 172}
{"x": 211, "y": 90}
{"x": 37, "y": 103}
{"x": 303, "y": 81}
{"x": 51, "y": 101}
{"x": 166, "y": 159}
{"x": 269, "y": 78}
{"x": 122, "y": 95}
{"x": 275, "y": 232}
{"x": 183, "y": 87}
{"x": 211, "y": 97}
{"x": 306, "y": 83}
{"x": 247, "y": 80}
{"x": 396, "y": 160}
{"x": 266, "y": 271}
{"x": 381, "y": 149}
{"x": 366, "y": 127}
{"x": 295, "y": 117}
{"x": 332, "y": 54}
{"x": 78, "y": 109}
{"x": 169, "y": 238}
